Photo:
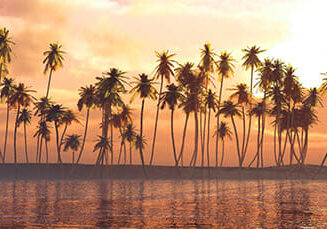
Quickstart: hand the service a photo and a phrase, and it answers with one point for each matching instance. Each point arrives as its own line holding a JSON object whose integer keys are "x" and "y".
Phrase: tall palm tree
{"x": 164, "y": 70}
{"x": 223, "y": 131}
{"x": 5, "y": 49}
{"x": 7, "y": 88}
{"x": 172, "y": 97}
{"x": 43, "y": 134}
{"x": 20, "y": 98}
{"x": 53, "y": 61}
{"x": 72, "y": 142}
{"x": 225, "y": 70}
{"x": 87, "y": 100}
{"x": 229, "y": 109}
{"x": 145, "y": 89}
{"x": 210, "y": 101}
{"x": 55, "y": 114}
{"x": 129, "y": 134}
{"x": 140, "y": 142}
{"x": 243, "y": 99}
{"x": 25, "y": 117}
{"x": 108, "y": 89}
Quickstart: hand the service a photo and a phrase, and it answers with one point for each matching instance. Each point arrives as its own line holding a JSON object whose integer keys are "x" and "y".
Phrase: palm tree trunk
{"x": 57, "y": 139}
{"x": 172, "y": 135}
{"x": 208, "y": 138}
{"x": 112, "y": 143}
{"x": 141, "y": 133}
{"x": 156, "y": 122}
{"x": 219, "y": 101}
{"x": 49, "y": 81}
{"x": 202, "y": 152}
{"x": 125, "y": 159}
{"x": 130, "y": 154}
{"x": 84, "y": 138}
{"x": 196, "y": 137}
{"x": 40, "y": 151}
{"x": 275, "y": 154}
{"x": 73, "y": 159}
{"x": 180, "y": 157}
{"x": 243, "y": 135}
{"x": 46, "y": 151}
{"x": 258, "y": 142}
{"x": 6, "y": 135}
{"x": 15, "y": 134}
{"x": 222, "y": 152}
{"x": 237, "y": 142}
{"x": 26, "y": 154}
{"x": 62, "y": 136}
{"x": 37, "y": 148}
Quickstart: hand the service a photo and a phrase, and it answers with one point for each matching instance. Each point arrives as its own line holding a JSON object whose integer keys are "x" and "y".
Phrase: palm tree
{"x": 225, "y": 70}
{"x": 53, "y": 61}
{"x": 20, "y": 97}
{"x": 87, "y": 99}
{"x": 229, "y": 109}
{"x": 25, "y": 117}
{"x": 210, "y": 101}
{"x": 42, "y": 133}
{"x": 55, "y": 114}
{"x": 129, "y": 134}
{"x": 7, "y": 88}
{"x": 5, "y": 49}
{"x": 243, "y": 98}
{"x": 103, "y": 145}
{"x": 68, "y": 117}
{"x": 144, "y": 87}
{"x": 223, "y": 131}
{"x": 163, "y": 70}
{"x": 172, "y": 97}
{"x": 72, "y": 142}
{"x": 126, "y": 118}
{"x": 140, "y": 142}
{"x": 108, "y": 89}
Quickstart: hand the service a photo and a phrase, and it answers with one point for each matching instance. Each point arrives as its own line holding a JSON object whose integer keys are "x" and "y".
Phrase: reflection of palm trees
{"x": 225, "y": 70}
{"x": 164, "y": 71}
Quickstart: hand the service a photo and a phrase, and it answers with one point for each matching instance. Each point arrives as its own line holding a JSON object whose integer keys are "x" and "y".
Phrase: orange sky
{"x": 100, "y": 34}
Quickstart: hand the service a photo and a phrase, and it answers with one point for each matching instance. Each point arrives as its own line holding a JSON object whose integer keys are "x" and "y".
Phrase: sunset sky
{"x": 99, "y": 34}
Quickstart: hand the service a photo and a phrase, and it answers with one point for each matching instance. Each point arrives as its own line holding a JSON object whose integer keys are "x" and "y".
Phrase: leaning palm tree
{"x": 223, "y": 131}
{"x": 164, "y": 70}
{"x": 229, "y": 109}
{"x": 7, "y": 88}
{"x": 5, "y": 49}
{"x": 25, "y": 117}
{"x": 43, "y": 134}
{"x": 172, "y": 97}
{"x": 72, "y": 142}
{"x": 53, "y": 61}
{"x": 20, "y": 98}
{"x": 144, "y": 87}
{"x": 225, "y": 70}
{"x": 129, "y": 134}
{"x": 243, "y": 99}
{"x": 87, "y": 99}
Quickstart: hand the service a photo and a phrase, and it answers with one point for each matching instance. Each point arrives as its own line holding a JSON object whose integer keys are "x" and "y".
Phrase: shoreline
{"x": 91, "y": 172}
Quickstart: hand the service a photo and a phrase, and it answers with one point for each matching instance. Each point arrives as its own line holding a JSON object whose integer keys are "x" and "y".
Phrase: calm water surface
{"x": 163, "y": 203}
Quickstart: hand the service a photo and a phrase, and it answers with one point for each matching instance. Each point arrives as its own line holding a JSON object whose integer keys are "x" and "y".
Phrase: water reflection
{"x": 163, "y": 203}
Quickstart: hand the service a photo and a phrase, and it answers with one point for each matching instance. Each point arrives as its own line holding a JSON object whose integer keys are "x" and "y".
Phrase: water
{"x": 163, "y": 203}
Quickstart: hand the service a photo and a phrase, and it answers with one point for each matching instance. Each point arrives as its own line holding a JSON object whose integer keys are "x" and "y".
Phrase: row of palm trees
{"x": 290, "y": 107}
